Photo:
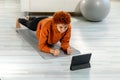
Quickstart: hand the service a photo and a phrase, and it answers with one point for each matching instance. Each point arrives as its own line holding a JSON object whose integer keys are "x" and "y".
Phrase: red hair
{"x": 61, "y": 17}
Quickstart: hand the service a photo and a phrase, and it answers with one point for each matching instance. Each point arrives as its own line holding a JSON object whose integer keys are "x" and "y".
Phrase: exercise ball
{"x": 95, "y": 10}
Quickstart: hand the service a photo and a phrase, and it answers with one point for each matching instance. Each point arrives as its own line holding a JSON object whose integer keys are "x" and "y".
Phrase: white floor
{"x": 19, "y": 61}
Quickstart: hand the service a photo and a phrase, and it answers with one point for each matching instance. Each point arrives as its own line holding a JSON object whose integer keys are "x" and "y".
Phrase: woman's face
{"x": 62, "y": 27}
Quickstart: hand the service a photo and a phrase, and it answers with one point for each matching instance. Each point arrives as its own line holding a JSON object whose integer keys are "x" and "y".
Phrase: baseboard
{"x": 50, "y": 13}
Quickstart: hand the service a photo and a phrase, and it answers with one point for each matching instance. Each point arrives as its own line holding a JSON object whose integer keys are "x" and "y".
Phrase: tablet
{"x": 80, "y": 61}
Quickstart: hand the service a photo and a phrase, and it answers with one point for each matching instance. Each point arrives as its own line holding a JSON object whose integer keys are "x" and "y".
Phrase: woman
{"x": 50, "y": 30}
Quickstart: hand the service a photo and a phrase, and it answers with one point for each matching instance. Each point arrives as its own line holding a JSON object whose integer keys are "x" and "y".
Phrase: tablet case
{"x": 80, "y": 62}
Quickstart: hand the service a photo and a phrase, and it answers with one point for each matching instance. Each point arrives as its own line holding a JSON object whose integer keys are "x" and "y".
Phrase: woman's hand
{"x": 55, "y": 52}
{"x": 69, "y": 50}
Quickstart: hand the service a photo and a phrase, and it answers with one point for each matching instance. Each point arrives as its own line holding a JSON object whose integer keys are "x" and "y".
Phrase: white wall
{"x": 50, "y": 5}
{"x": 24, "y": 5}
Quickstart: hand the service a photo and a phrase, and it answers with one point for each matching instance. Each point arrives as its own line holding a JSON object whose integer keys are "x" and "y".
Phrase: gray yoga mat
{"x": 30, "y": 37}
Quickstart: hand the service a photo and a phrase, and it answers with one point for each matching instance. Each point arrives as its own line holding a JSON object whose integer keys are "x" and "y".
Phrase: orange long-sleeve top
{"x": 47, "y": 33}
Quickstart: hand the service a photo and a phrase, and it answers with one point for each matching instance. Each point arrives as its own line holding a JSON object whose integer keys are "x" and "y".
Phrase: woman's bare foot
{"x": 27, "y": 17}
{"x": 18, "y": 24}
